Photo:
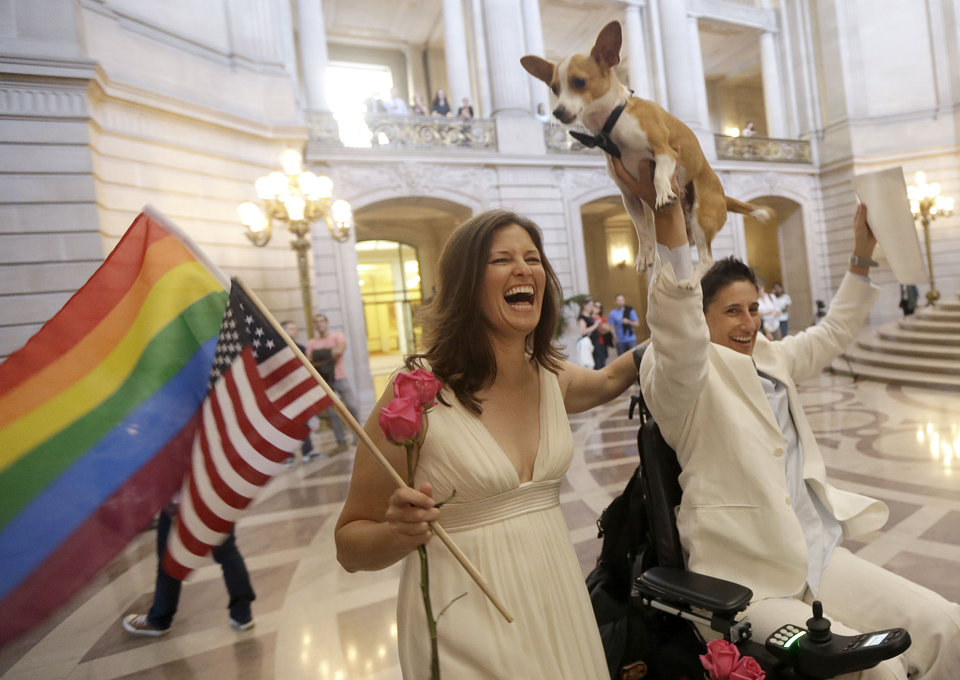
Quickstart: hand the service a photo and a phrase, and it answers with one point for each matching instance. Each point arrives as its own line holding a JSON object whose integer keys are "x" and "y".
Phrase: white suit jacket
{"x": 735, "y": 520}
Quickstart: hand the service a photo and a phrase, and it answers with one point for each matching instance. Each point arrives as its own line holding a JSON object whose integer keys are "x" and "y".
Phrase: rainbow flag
{"x": 97, "y": 416}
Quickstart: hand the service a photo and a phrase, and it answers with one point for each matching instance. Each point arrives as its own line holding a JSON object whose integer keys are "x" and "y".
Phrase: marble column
{"x": 636, "y": 50}
{"x": 533, "y": 32}
{"x": 455, "y": 52}
{"x": 653, "y": 9}
{"x": 772, "y": 86}
{"x": 683, "y": 64}
{"x": 518, "y": 132}
{"x": 481, "y": 107}
{"x": 314, "y": 60}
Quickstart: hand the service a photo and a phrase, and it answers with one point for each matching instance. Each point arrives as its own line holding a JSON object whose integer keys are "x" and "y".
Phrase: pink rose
{"x": 748, "y": 669}
{"x": 401, "y": 420}
{"x": 720, "y": 660}
{"x": 420, "y": 385}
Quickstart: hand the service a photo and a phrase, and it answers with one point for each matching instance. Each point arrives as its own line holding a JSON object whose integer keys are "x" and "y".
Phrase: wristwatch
{"x": 857, "y": 261}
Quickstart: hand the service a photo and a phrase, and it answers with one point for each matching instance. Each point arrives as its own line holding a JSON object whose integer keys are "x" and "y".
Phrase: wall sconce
{"x": 296, "y": 198}
{"x": 620, "y": 256}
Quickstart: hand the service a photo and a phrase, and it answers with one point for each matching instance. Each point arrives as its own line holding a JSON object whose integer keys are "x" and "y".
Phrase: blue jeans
{"x": 166, "y": 595}
{"x": 345, "y": 392}
{"x": 624, "y": 346}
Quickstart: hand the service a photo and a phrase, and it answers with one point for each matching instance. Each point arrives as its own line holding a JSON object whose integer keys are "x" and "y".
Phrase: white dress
{"x": 516, "y": 536}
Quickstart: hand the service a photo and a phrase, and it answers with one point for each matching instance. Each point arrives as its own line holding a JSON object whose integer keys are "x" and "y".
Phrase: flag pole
{"x": 362, "y": 436}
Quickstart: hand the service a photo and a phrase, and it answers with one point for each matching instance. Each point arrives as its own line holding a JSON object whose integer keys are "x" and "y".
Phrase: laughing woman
{"x": 500, "y": 438}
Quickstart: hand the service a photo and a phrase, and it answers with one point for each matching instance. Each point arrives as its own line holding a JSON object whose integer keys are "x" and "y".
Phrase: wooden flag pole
{"x": 362, "y": 436}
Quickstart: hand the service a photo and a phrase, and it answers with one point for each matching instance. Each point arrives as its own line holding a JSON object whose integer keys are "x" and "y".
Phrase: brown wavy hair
{"x": 458, "y": 352}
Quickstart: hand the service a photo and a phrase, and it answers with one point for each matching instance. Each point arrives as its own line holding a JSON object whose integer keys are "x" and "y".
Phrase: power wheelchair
{"x": 647, "y": 603}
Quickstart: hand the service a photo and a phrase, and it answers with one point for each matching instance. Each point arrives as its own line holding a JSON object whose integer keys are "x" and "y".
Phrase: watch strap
{"x": 858, "y": 261}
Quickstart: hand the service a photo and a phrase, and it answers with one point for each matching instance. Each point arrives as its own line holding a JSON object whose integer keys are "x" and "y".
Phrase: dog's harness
{"x": 602, "y": 139}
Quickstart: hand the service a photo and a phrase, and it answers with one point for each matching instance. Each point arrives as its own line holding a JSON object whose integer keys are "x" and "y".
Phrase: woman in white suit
{"x": 757, "y": 507}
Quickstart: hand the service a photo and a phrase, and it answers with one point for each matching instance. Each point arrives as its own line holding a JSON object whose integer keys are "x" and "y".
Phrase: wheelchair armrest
{"x": 686, "y": 588}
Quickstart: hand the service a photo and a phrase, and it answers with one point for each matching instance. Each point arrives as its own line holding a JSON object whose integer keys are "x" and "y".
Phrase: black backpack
{"x": 638, "y": 642}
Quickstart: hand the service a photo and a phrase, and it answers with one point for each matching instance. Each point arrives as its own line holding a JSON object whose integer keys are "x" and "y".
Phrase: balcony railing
{"x": 558, "y": 139}
{"x": 390, "y": 132}
{"x": 763, "y": 149}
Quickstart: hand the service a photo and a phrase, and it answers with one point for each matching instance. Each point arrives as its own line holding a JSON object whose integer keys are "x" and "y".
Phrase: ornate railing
{"x": 558, "y": 139}
{"x": 763, "y": 149}
{"x": 430, "y": 132}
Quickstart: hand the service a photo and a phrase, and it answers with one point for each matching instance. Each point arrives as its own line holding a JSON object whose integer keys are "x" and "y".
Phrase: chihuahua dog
{"x": 588, "y": 90}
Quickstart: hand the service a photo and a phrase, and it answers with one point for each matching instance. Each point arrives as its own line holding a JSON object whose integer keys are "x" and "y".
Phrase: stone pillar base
{"x": 519, "y": 133}
{"x": 323, "y": 128}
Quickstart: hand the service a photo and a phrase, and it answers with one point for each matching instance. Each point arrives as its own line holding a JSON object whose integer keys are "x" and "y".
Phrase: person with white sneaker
{"x": 166, "y": 595}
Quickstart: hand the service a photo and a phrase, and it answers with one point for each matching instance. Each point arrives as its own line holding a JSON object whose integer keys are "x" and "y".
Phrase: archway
{"x": 610, "y": 251}
{"x": 398, "y": 245}
{"x": 780, "y": 255}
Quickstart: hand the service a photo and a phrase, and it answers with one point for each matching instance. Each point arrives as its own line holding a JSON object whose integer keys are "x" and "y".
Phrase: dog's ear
{"x": 538, "y": 67}
{"x": 606, "y": 51}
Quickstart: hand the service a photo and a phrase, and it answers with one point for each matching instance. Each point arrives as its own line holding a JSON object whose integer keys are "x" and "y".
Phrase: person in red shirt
{"x": 324, "y": 350}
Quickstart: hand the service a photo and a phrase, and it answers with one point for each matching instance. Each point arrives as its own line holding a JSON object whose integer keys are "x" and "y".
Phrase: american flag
{"x": 259, "y": 400}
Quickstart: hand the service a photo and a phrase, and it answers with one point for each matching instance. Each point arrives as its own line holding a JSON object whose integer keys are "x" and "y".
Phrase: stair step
{"x": 929, "y": 326}
{"x": 897, "y": 376}
{"x": 943, "y": 366}
{"x": 895, "y": 333}
{"x": 938, "y": 313}
{"x": 876, "y": 343}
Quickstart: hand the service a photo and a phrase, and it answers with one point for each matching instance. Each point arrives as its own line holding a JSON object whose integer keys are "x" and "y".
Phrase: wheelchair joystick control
{"x": 819, "y": 653}
{"x": 818, "y": 626}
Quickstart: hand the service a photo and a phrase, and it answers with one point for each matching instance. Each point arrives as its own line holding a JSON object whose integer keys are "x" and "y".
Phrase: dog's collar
{"x": 602, "y": 139}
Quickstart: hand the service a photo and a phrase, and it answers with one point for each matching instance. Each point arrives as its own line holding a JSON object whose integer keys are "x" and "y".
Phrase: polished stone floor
{"x": 313, "y": 620}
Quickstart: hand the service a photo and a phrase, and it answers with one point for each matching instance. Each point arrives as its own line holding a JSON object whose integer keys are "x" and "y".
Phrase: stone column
{"x": 639, "y": 79}
{"x": 481, "y": 107}
{"x": 683, "y": 64}
{"x": 455, "y": 52}
{"x": 517, "y": 130}
{"x": 533, "y": 32}
{"x": 653, "y": 9}
{"x": 772, "y": 86}
{"x": 314, "y": 61}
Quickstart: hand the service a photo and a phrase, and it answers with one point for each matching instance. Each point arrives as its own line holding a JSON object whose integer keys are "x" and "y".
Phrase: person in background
{"x": 748, "y": 130}
{"x": 418, "y": 107}
{"x": 323, "y": 349}
{"x": 769, "y": 312}
{"x": 909, "y": 294}
{"x": 624, "y": 320}
{"x": 395, "y": 105}
{"x": 465, "y": 110}
{"x": 604, "y": 336}
{"x": 783, "y": 302}
{"x": 500, "y": 437}
{"x": 440, "y": 106}
{"x": 757, "y": 507}
{"x": 588, "y": 327}
{"x": 166, "y": 593}
{"x": 307, "y": 452}
{"x": 541, "y": 113}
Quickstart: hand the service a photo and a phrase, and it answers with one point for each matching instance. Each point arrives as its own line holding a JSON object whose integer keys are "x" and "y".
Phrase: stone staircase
{"x": 921, "y": 350}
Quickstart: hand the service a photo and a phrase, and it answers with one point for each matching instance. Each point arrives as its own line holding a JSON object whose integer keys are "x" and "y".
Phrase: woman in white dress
{"x": 499, "y": 438}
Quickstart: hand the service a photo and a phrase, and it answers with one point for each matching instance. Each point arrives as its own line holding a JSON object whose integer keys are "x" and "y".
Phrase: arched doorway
{"x": 398, "y": 245}
{"x": 610, "y": 251}
{"x": 779, "y": 255}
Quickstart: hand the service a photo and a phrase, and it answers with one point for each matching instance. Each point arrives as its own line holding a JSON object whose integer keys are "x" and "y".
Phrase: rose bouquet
{"x": 724, "y": 662}
{"x": 403, "y": 422}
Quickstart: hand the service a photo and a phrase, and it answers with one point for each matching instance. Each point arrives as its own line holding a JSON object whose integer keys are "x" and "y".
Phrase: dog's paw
{"x": 665, "y": 199}
{"x": 644, "y": 260}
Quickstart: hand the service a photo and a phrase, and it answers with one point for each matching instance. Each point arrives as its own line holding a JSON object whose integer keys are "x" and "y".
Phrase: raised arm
{"x": 672, "y": 374}
{"x": 810, "y": 351}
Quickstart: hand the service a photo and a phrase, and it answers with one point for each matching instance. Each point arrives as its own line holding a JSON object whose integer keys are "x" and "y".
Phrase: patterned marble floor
{"x": 314, "y": 621}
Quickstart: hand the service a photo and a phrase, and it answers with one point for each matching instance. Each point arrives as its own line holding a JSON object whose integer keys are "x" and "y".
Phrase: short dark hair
{"x": 458, "y": 355}
{"x": 724, "y": 272}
